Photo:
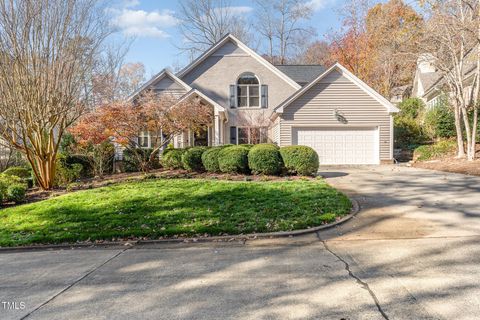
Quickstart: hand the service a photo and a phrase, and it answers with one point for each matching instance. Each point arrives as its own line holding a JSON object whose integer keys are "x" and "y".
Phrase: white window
{"x": 249, "y": 135}
{"x": 248, "y": 91}
{"x": 148, "y": 139}
{"x": 144, "y": 139}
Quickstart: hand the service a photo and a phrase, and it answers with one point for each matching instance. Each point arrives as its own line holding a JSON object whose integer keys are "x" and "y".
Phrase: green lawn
{"x": 168, "y": 207}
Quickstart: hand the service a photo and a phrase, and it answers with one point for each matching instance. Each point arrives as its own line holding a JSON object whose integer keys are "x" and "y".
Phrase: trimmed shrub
{"x": 233, "y": 159}
{"x": 210, "y": 159}
{"x": 265, "y": 159}
{"x": 16, "y": 192}
{"x": 12, "y": 188}
{"x": 301, "y": 160}
{"x": 437, "y": 150}
{"x": 132, "y": 163}
{"x": 87, "y": 169}
{"x": 66, "y": 174}
{"x": 20, "y": 172}
{"x": 172, "y": 159}
{"x": 25, "y": 174}
{"x": 192, "y": 159}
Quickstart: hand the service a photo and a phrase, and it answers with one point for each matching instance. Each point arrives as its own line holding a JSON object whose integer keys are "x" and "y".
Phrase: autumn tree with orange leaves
{"x": 162, "y": 115}
{"x": 378, "y": 43}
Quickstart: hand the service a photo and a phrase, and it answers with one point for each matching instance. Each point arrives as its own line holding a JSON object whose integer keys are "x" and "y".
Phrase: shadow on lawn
{"x": 298, "y": 278}
{"x": 169, "y": 208}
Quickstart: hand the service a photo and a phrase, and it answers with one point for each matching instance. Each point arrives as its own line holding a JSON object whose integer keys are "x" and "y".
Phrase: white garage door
{"x": 340, "y": 145}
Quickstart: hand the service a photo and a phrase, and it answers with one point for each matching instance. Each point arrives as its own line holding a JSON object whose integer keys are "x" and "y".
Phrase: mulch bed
{"x": 451, "y": 165}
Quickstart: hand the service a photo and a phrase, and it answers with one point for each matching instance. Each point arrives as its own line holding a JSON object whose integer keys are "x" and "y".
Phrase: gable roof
{"x": 253, "y": 54}
{"x": 337, "y": 66}
{"x": 203, "y": 96}
{"x": 159, "y": 76}
{"x": 301, "y": 73}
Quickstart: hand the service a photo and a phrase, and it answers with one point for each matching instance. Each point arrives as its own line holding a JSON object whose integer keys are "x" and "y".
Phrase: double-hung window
{"x": 252, "y": 135}
{"x": 248, "y": 91}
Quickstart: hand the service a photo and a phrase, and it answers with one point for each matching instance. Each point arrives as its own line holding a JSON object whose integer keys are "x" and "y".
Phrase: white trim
{"x": 216, "y": 106}
{"x": 387, "y": 104}
{"x": 391, "y": 137}
{"x": 159, "y": 76}
{"x": 259, "y": 85}
{"x": 249, "y": 51}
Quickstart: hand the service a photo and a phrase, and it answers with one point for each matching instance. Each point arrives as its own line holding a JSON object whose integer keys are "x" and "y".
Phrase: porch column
{"x": 216, "y": 129}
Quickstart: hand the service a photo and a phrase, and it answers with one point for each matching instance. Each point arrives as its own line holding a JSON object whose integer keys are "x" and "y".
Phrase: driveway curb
{"x": 281, "y": 234}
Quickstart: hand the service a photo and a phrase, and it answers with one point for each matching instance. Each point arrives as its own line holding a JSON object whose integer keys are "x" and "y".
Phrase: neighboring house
{"x": 429, "y": 83}
{"x": 331, "y": 110}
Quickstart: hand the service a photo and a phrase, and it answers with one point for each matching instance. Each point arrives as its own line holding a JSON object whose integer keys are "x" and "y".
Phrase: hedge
{"x": 301, "y": 160}
{"x": 437, "y": 150}
{"x": 265, "y": 159}
{"x": 25, "y": 174}
{"x": 12, "y": 188}
{"x": 233, "y": 159}
{"x": 172, "y": 159}
{"x": 210, "y": 159}
{"x": 20, "y": 172}
{"x": 192, "y": 159}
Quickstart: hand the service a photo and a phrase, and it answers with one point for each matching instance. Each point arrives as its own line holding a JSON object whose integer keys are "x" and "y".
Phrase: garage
{"x": 341, "y": 145}
{"x": 339, "y": 116}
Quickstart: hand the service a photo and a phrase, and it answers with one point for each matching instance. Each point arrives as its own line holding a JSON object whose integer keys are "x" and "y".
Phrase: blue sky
{"x": 153, "y": 26}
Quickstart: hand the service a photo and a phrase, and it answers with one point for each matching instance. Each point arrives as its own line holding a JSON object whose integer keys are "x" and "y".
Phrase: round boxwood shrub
{"x": 12, "y": 188}
{"x": 265, "y": 159}
{"x": 16, "y": 192}
{"x": 173, "y": 159}
{"x": 233, "y": 159}
{"x": 18, "y": 172}
{"x": 210, "y": 159}
{"x": 301, "y": 160}
{"x": 192, "y": 159}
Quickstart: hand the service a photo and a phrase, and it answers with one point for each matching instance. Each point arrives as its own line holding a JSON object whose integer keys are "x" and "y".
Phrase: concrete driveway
{"x": 412, "y": 253}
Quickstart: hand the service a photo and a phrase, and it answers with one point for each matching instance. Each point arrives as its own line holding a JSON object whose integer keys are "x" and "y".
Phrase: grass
{"x": 173, "y": 207}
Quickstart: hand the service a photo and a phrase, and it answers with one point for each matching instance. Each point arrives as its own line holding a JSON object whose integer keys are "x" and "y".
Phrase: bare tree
{"x": 280, "y": 23}
{"x": 48, "y": 50}
{"x": 453, "y": 40}
{"x": 117, "y": 81}
{"x": 205, "y": 22}
{"x": 318, "y": 52}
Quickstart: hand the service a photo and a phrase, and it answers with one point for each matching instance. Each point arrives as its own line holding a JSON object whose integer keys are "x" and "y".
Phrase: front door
{"x": 200, "y": 138}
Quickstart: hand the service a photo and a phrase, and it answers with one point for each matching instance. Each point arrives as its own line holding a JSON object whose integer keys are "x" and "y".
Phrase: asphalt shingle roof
{"x": 301, "y": 74}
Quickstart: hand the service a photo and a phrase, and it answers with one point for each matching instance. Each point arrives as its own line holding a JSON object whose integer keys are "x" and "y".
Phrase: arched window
{"x": 248, "y": 91}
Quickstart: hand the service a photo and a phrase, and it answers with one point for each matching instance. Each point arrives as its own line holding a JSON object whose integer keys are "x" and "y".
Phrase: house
{"x": 329, "y": 109}
{"x": 429, "y": 83}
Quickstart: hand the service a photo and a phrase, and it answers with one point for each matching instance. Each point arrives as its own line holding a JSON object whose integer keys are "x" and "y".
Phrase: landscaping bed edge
{"x": 252, "y": 236}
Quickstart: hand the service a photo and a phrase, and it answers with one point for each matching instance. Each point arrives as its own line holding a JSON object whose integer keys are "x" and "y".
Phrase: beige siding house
{"x": 331, "y": 110}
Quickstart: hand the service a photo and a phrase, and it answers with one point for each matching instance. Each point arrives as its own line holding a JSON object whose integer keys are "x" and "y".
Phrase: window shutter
{"x": 232, "y": 95}
{"x": 264, "y": 96}
{"x": 233, "y": 135}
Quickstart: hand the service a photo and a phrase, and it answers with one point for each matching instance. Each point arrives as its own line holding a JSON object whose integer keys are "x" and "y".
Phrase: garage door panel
{"x": 340, "y": 145}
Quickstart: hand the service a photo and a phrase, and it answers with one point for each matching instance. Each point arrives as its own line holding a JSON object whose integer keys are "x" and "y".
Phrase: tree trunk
{"x": 473, "y": 139}
{"x": 44, "y": 169}
{"x": 468, "y": 132}
{"x": 458, "y": 129}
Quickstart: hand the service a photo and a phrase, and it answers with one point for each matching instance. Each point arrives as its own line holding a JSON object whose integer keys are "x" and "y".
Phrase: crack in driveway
{"x": 363, "y": 284}
{"x": 72, "y": 284}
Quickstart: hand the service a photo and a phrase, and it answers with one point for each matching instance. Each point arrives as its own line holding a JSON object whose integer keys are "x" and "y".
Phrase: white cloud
{"x": 317, "y": 4}
{"x": 239, "y": 10}
{"x": 141, "y": 23}
{"x": 130, "y": 3}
